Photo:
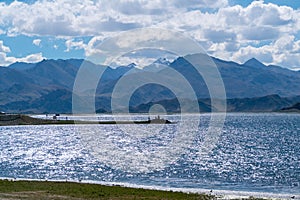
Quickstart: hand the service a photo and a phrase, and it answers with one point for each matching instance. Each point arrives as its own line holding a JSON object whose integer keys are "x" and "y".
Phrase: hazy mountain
{"x": 47, "y": 86}
{"x": 293, "y": 108}
{"x": 256, "y": 104}
{"x": 253, "y": 79}
{"x": 253, "y": 62}
{"x": 260, "y": 104}
{"x": 173, "y": 106}
{"x": 21, "y": 65}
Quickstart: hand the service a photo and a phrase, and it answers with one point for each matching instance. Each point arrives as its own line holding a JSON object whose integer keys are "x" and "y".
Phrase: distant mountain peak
{"x": 253, "y": 62}
{"x": 163, "y": 61}
{"x": 157, "y": 65}
{"x": 131, "y": 65}
{"x": 21, "y": 65}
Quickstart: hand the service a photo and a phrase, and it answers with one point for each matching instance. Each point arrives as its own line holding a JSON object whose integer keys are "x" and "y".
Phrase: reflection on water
{"x": 256, "y": 152}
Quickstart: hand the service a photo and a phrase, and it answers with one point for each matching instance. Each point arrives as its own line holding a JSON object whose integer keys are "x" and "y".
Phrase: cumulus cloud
{"x": 284, "y": 51}
{"x": 201, "y": 3}
{"x": 32, "y": 58}
{"x": 219, "y": 35}
{"x": 72, "y": 44}
{"x": 139, "y": 62}
{"x": 4, "y": 60}
{"x": 4, "y": 48}
{"x": 264, "y": 31}
{"x": 258, "y": 13}
{"x": 73, "y": 18}
{"x": 36, "y": 42}
{"x": 263, "y": 53}
{"x": 7, "y": 60}
{"x": 259, "y": 33}
{"x": 157, "y": 7}
{"x": 231, "y": 32}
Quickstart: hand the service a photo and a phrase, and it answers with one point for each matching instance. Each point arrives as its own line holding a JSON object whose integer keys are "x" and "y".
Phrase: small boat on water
{"x": 154, "y": 121}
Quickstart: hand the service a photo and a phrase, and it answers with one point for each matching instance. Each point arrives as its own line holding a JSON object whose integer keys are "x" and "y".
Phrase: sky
{"x": 233, "y": 30}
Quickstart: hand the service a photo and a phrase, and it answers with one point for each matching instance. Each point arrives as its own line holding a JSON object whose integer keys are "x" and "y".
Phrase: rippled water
{"x": 256, "y": 152}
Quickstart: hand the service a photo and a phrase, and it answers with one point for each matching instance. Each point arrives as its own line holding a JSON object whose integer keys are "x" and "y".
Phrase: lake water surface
{"x": 254, "y": 153}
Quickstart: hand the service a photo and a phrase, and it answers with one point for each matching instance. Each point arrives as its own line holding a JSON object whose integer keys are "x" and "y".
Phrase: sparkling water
{"x": 255, "y": 153}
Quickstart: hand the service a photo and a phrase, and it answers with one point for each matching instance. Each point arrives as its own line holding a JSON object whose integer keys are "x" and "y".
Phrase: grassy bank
{"x": 67, "y": 190}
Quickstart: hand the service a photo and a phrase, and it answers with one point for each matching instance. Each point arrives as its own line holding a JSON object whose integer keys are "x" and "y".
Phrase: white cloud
{"x": 32, "y": 58}
{"x": 87, "y": 17}
{"x": 263, "y": 30}
{"x": 285, "y": 43}
{"x": 4, "y": 48}
{"x": 258, "y": 13}
{"x": 201, "y": 3}
{"x": 71, "y": 44}
{"x": 77, "y": 18}
{"x": 285, "y": 51}
{"x": 7, "y": 60}
{"x": 158, "y": 7}
{"x": 263, "y": 54}
{"x": 219, "y": 35}
{"x": 4, "y": 60}
{"x": 259, "y": 33}
{"x": 36, "y": 42}
{"x": 91, "y": 48}
{"x": 258, "y": 21}
{"x": 140, "y": 62}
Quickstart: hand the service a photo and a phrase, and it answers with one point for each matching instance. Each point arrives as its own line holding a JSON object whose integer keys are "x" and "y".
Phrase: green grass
{"x": 68, "y": 190}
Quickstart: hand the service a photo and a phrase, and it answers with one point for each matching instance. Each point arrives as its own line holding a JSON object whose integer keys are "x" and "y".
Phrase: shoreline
{"x": 28, "y": 119}
{"x": 50, "y": 189}
{"x": 215, "y": 194}
{"x": 20, "y": 119}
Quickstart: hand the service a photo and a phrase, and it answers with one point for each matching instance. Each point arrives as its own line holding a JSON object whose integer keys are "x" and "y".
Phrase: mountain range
{"x": 46, "y": 86}
{"x": 293, "y": 108}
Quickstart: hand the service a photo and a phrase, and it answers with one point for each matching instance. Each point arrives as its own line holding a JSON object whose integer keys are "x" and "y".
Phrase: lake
{"x": 255, "y": 152}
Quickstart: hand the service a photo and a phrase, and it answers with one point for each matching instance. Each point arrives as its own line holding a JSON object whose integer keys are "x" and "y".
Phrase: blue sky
{"x": 234, "y": 30}
{"x": 292, "y": 3}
